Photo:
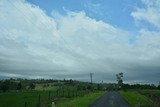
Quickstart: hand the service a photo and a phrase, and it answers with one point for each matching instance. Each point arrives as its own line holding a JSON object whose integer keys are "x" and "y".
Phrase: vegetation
{"x": 119, "y": 79}
{"x": 154, "y": 95}
{"x": 18, "y": 99}
{"x": 31, "y": 93}
{"x": 84, "y": 101}
{"x": 136, "y": 99}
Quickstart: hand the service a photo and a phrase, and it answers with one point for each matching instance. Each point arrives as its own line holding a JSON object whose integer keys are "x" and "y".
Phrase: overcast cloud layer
{"x": 34, "y": 45}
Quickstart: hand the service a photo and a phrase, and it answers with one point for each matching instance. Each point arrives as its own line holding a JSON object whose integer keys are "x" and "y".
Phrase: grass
{"x": 154, "y": 95}
{"x": 80, "y": 101}
{"x": 136, "y": 99}
{"x": 18, "y": 99}
{"x": 145, "y": 92}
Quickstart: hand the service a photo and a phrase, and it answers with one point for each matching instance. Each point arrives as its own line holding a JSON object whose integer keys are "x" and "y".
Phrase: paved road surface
{"x": 111, "y": 99}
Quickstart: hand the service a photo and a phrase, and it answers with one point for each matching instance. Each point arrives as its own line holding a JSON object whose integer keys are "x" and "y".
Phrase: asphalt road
{"x": 111, "y": 99}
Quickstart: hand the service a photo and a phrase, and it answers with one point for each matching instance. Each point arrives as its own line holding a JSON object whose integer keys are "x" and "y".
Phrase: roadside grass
{"x": 31, "y": 98}
{"x": 146, "y": 92}
{"x": 18, "y": 99}
{"x": 83, "y": 101}
{"x": 136, "y": 99}
{"x": 154, "y": 95}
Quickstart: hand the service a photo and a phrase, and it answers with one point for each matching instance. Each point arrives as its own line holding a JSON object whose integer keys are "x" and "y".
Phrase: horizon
{"x": 57, "y": 39}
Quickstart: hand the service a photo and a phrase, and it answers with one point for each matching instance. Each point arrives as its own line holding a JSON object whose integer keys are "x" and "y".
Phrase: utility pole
{"x": 91, "y": 74}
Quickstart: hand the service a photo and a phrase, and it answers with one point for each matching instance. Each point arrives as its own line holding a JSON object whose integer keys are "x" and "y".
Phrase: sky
{"x": 57, "y": 39}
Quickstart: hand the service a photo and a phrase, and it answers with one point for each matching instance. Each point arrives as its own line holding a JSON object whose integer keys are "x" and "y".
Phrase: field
{"x": 80, "y": 101}
{"x": 31, "y": 99}
{"x": 139, "y": 98}
{"x": 18, "y": 99}
{"x": 70, "y": 93}
{"x": 154, "y": 95}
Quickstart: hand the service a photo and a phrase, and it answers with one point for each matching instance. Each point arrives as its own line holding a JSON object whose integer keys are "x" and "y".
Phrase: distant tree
{"x": 159, "y": 85}
{"x": 89, "y": 87}
{"x": 19, "y": 86}
{"x": 70, "y": 81}
{"x": 5, "y": 85}
{"x": 32, "y": 86}
{"x": 119, "y": 79}
{"x": 64, "y": 80}
{"x": 79, "y": 87}
{"x": 99, "y": 87}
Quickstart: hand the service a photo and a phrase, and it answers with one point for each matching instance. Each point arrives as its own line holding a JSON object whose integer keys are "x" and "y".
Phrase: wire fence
{"x": 53, "y": 96}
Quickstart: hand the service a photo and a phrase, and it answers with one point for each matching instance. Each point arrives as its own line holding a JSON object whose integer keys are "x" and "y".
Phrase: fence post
{"x": 57, "y": 92}
{"x": 49, "y": 95}
{"x": 39, "y": 99}
{"x": 53, "y": 104}
{"x": 63, "y": 92}
{"x": 25, "y": 104}
{"x": 68, "y": 93}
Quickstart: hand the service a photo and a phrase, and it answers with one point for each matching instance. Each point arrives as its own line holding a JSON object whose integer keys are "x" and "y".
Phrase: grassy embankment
{"x": 83, "y": 101}
{"x": 136, "y": 99}
{"x": 154, "y": 95}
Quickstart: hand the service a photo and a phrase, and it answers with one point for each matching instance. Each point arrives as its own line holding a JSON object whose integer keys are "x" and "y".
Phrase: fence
{"x": 53, "y": 96}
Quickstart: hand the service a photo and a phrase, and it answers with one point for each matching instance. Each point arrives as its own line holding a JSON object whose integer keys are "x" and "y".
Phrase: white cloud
{"x": 150, "y": 13}
{"x": 33, "y": 43}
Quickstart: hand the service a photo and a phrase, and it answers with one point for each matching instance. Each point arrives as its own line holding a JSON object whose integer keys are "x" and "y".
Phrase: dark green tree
{"x": 99, "y": 87}
{"x": 19, "y": 86}
{"x": 5, "y": 85}
{"x": 119, "y": 79}
{"x": 159, "y": 85}
{"x": 32, "y": 86}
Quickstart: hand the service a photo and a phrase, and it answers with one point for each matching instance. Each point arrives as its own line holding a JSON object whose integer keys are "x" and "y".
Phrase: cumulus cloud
{"x": 151, "y": 12}
{"x": 72, "y": 46}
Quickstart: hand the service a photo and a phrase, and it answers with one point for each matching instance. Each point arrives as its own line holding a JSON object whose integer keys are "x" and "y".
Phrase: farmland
{"x": 136, "y": 99}
{"x": 153, "y": 95}
{"x": 43, "y": 93}
{"x": 84, "y": 101}
{"x": 71, "y": 93}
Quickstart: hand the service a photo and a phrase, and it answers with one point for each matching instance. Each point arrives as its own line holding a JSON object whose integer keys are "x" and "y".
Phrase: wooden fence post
{"x": 63, "y": 92}
{"x": 53, "y": 104}
{"x": 25, "y": 104}
{"x": 49, "y": 96}
{"x": 39, "y": 100}
{"x": 68, "y": 93}
{"x": 57, "y": 92}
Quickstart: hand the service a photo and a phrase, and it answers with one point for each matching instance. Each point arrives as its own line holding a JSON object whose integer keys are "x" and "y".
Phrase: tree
{"x": 99, "y": 87}
{"x": 159, "y": 85}
{"x": 32, "y": 86}
{"x": 19, "y": 86}
{"x": 119, "y": 79}
{"x": 5, "y": 85}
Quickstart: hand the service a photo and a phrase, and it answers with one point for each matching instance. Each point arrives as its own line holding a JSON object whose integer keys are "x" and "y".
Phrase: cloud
{"x": 150, "y": 13}
{"x": 34, "y": 45}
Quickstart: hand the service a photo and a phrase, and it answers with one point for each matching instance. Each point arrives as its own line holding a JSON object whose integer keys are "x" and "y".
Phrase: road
{"x": 111, "y": 99}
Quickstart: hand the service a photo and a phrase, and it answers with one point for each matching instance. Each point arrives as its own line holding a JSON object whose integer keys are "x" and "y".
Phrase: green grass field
{"x": 80, "y": 101}
{"x": 136, "y": 99}
{"x": 146, "y": 92}
{"x": 18, "y": 99}
{"x": 154, "y": 95}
